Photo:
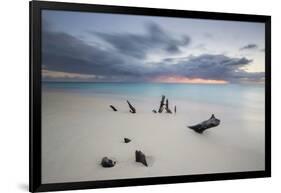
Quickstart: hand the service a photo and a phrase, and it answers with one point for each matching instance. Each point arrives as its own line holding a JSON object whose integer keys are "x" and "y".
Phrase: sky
{"x": 98, "y": 47}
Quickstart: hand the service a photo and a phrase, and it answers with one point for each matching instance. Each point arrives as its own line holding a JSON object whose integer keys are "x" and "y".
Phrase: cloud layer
{"x": 139, "y": 45}
{"x": 123, "y": 57}
{"x": 249, "y": 47}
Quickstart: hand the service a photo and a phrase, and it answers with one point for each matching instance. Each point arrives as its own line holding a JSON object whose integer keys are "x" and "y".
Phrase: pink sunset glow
{"x": 182, "y": 79}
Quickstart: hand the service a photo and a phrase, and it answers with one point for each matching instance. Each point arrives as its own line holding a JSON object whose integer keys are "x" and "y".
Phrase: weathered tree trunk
{"x": 175, "y": 109}
{"x": 113, "y": 108}
{"x": 140, "y": 157}
{"x": 132, "y": 109}
{"x": 161, "y": 104}
{"x": 201, "y": 127}
{"x": 167, "y": 106}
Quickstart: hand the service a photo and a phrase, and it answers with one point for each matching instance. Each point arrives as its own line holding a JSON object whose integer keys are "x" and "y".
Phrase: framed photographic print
{"x": 125, "y": 96}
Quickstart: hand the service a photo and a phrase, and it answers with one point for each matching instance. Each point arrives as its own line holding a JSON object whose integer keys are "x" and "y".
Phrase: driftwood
{"x": 161, "y": 104}
{"x": 201, "y": 127}
{"x": 107, "y": 163}
{"x": 132, "y": 109}
{"x": 154, "y": 111}
{"x": 127, "y": 140}
{"x": 167, "y": 106}
{"x": 113, "y": 108}
{"x": 175, "y": 109}
{"x": 140, "y": 157}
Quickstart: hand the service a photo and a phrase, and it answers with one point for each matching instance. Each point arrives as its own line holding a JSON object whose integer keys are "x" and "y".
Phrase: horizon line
{"x": 144, "y": 82}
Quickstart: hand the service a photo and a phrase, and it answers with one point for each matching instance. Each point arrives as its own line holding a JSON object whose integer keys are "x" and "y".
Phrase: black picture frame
{"x": 35, "y": 184}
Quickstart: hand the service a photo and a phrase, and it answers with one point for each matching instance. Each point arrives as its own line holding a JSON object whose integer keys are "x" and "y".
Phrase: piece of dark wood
{"x": 167, "y": 107}
{"x": 154, "y": 111}
{"x": 201, "y": 127}
{"x": 175, "y": 109}
{"x": 107, "y": 163}
{"x": 113, "y": 108}
{"x": 132, "y": 109}
{"x": 140, "y": 157}
{"x": 127, "y": 140}
{"x": 161, "y": 104}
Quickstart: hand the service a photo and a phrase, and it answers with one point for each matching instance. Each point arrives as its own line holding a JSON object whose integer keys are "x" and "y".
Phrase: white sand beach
{"x": 78, "y": 130}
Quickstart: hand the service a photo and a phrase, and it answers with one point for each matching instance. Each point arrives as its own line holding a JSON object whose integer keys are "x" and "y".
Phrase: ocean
{"x": 233, "y": 95}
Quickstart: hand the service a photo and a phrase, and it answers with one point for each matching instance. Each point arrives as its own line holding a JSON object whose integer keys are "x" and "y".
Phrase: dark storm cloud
{"x": 65, "y": 53}
{"x": 220, "y": 67}
{"x": 207, "y": 66}
{"x": 249, "y": 47}
{"x": 139, "y": 45}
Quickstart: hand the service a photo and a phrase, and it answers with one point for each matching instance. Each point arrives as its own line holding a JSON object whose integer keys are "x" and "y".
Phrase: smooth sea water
{"x": 234, "y": 95}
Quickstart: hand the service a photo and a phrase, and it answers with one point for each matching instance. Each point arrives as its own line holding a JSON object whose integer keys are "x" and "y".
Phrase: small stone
{"x": 107, "y": 163}
{"x": 127, "y": 140}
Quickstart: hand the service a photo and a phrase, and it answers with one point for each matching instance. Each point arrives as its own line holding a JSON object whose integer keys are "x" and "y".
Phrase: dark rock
{"x": 201, "y": 127}
{"x": 154, "y": 111}
{"x": 113, "y": 108}
{"x": 127, "y": 140}
{"x": 132, "y": 109}
{"x": 140, "y": 157}
{"x": 107, "y": 163}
